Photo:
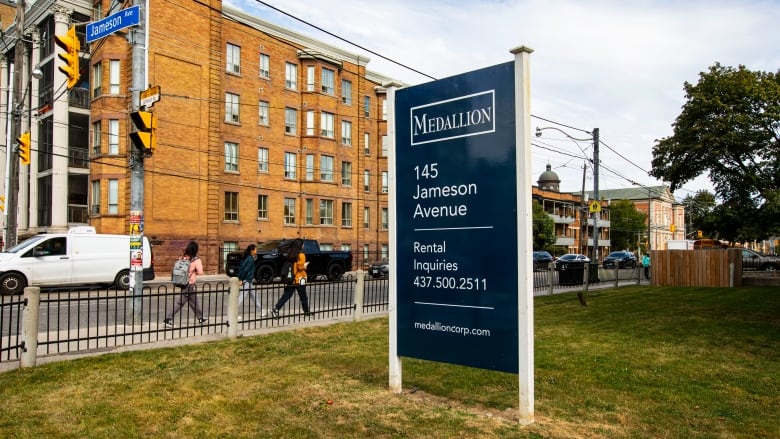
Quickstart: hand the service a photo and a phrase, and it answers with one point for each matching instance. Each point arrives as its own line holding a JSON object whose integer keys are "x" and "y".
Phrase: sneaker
{"x": 275, "y": 313}
{"x": 308, "y": 314}
{"x": 264, "y": 313}
{"x": 203, "y": 320}
{"x": 168, "y": 323}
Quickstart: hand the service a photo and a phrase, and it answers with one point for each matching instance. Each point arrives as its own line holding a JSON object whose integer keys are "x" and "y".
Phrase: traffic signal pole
{"x": 137, "y": 37}
{"x": 12, "y": 208}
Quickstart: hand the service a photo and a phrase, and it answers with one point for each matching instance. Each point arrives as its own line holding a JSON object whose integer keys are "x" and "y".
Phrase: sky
{"x": 616, "y": 65}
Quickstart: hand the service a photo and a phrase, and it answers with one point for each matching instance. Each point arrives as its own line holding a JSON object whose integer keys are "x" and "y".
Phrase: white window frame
{"x": 289, "y": 165}
{"x": 232, "y": 108}
{"x": 231, "y": 206}
{"x": 346, "y": 92}
{"x": 289, "y": 211}
{"x": 366, "y": 217}
{"x": 233, "y": 56}
{"x": 290, "y": 121}
{"x": 309, "y": 78}
{"x": 95, "y": 208}
{"x": 114, "y": 76}
{"x": 265, "y": 66}
{"x": 309, "y": 174}
{"x": 385, "y": 218}
{"x": 309, "y": 216}
{"x": 97, "y": 137}
{"x": 366, "y": 180}
{"x": 326, "y": 168}
{"x": 346, "y": 214}
{"x": 326, "y": 212}
{"x": 262, "y": 113}
{"x": 262, "y": 159}
{"x": 262, "y": 206}
{"x": 97, "y": 79}
{"x": 231, "y": 157}
{"x": 384, "y": 182}
{"x": 346, "y": 174}
{"x": 291, "y": 76}
{"x": 367, "y": 143}
{"x": 328, "y": 81}
{"x": 113, "y": 196}
{"x": 310, "y": 122}
{"x": 385, "y": 146}
{"x": 327, "y": 120}
{"x": 113, "y": 136}
{"x": 346, "y": 133}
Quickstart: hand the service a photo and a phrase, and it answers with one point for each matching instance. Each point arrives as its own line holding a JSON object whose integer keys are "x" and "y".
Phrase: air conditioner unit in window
{"x": 324, "y": 89}
{"x": 236, "y": 68}
{"x": 288, "y": 129}
{"x": 234, "y": 118}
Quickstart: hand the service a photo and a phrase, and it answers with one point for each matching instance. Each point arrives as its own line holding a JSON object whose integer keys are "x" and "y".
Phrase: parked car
{"x": 623, "y": 259}
{"x": 752, "y": 260}
{"x": 562, "y": 262}
{"x": 542, "y": 260}
{"x": 379, "y": 269}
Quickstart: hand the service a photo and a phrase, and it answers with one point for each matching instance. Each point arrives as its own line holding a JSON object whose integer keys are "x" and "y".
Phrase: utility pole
{"x": 12, "y": 207}
{"x": 138, "y": 40}
{"x": 596, "y": 194}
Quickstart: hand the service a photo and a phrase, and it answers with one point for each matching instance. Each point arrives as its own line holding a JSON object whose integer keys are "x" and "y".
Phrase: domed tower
{"x": 549, "y": 180}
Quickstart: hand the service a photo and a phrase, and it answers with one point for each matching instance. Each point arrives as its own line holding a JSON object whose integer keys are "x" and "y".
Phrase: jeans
{"x": 288, "y": 292}
{"x": 246, "y": 288}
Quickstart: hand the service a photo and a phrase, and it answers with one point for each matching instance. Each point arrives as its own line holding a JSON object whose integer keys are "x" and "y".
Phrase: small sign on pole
{"x": 149, "y": 96}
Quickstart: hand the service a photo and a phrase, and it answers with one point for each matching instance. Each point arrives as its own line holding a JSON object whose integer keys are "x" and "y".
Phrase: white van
{"x": 78, "y": 257}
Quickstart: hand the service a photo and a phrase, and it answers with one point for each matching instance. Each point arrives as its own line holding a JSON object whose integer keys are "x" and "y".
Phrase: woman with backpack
{"x": 298, "y": 284}
{"x": 246, "y": 273}
{"x": 188, "y": 292}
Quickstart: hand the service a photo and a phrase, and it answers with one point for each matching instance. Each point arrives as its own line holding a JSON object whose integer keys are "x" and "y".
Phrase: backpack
{"x": 286, "y": 273}
{"x": 180, "y": 275}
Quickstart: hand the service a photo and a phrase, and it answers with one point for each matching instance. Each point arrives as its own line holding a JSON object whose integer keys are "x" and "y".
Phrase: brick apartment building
{"x": 262, "y": 133}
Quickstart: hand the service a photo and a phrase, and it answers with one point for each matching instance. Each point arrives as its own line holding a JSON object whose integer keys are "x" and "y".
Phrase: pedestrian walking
{"x": 246, "y": 273}
{"x": 646, "y": 264}
{"x": 299, "y": 284}
{"x": 189, "y": 292}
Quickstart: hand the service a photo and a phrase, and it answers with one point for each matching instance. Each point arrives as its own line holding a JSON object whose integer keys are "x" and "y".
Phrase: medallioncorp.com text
{"x": 437, "y": 326}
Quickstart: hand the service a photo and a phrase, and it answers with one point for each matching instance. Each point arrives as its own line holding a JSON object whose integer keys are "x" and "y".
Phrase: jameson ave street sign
{"x": 114, "y": 22}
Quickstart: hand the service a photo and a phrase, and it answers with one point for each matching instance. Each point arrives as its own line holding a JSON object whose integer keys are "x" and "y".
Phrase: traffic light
{"x": 672, "y": 228}
{"x": 24, "y": 148}
{"x": 144, "y": 137}
{"x": 698, "y": 234}
{"x": 70, "y": 43}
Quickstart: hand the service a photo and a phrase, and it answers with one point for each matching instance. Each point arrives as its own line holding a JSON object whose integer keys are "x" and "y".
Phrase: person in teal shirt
{"x": 646, "y": 264}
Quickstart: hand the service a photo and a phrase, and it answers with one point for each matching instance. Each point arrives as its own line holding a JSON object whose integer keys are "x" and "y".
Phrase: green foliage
{"x": 628, "y": 225}
{"x": 699, "y": 209}
{"x": 543, "y": 230}
{"x": 729, "y": 130}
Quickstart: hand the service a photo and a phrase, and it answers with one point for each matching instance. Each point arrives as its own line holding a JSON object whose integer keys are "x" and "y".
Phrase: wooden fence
{"x": 696, "y": 268}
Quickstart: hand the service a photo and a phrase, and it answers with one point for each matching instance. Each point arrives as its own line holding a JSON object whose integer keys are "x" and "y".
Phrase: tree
{"x": 700, "y": 208}
{"x": 628, "y": 226}
{"x": 729, "y": 128}
{"x": 543, "y": 230}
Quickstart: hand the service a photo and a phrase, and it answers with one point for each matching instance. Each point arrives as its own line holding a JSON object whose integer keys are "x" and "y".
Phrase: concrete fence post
{"x": 234, "y": 289}
{"x": 360, "y": 288}
{"x": 617, "y": 274}
{"x": 550, "y": 278}
{"x": 30, "y": 313}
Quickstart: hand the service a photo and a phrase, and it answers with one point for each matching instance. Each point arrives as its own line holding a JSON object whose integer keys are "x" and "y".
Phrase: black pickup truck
{"x": 331, "y": 264}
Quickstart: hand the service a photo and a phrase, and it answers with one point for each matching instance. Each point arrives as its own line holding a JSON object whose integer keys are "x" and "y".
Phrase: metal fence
{"x": 80, "y": 321}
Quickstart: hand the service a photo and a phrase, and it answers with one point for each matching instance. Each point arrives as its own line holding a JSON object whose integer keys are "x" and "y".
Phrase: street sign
{"x": 114, "y": 22}
{"x": 150, "y": 96}
{"x": 595, "y": 206}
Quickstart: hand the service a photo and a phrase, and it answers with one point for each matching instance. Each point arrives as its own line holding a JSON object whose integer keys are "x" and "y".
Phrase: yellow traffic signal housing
{"x": 672, "y": 228}
{"x": 699, "y": 234}
{"x": 24, "y": 148}
{"x": 144, "y": 136}
{"x": 70, "y": 43}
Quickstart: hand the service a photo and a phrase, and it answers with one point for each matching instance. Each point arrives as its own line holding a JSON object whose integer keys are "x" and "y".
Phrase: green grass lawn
{"x": 639, "y": 362}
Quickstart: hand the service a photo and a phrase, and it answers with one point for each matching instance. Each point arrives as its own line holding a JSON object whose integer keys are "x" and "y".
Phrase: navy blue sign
{"x": 456, "y": 207}
{"x": 114, "y": 22}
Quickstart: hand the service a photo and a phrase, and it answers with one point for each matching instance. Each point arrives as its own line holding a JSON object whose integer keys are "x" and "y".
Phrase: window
{"x": 384, "y": 182}
{"x": 366, "y": 180}
{"x": 310, "y": 78}
{"x": 95, "y": 197}
{"x": 231, "y": 107}
{"x": 113, "y": 77}
{"x": 384, "y": 109}
{"x": 309, "y": 211}
{"x": 326, "y": 124}
{"x": 262, "y": 113}
{"x": 385, "y": 146}
{"x": 366, "y": 217}
{"x": 290, "y": 121}
{"x": 262, "y": 207}
{"x": 291, "y": 76}
{"x": 310, "y": 123}
{"x": 289, "y": 210}
{"x": 309, "y": 167}
{"x": 366, "y": 145}
{"x": 113, "y": 196}
{"x": 365, "y": 253}
{"x": 328, "y": 82}
{"x": 97, "y": 80}
{"x": 346, "y": 133}
{"x": 265, "y": 66}
{"x": 346, "y": 173}
{"x": 233, "y": 59}
{"x": 346, "y": 92}
{"x": 113, "y": 136}
{"x": 326, "y": 212}
{"x": 262, "y": 159}
{"x": 385, "y": 251}
{"x": 289, "y": 165}
{"x": 384, "y": 218}
{"x": 231, "y": 206}
{"x": 326, "y": 168}
{"x": 230, "y": 246}
{"x": 96, "y": 137}
{"x": 367, "y": 106}
{"x": 231, "y": 156}
{"x": 346, "y": 214}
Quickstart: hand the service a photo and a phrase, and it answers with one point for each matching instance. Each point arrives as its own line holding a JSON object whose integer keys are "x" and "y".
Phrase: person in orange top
{"x": 299, "y": 284}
